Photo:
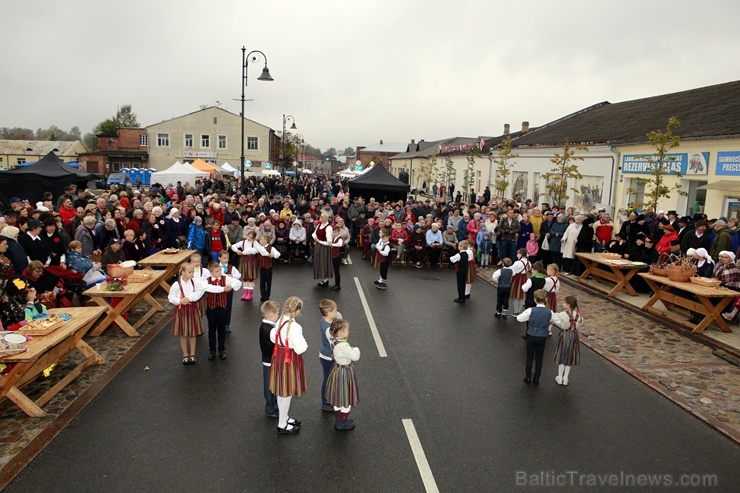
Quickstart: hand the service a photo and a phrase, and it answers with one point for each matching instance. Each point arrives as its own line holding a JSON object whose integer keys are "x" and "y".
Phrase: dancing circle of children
{"x": 521, "y": 268}
{"x": 568, "y": 351}
{"x": 267, "y": 252}
{"x": 464, "y": 262}
{"x": 249, "y": 265}
{"x": 329, "y": 313}
{"x": 217, "y": 305}
{"x": 231, "y": 271}
{"x": 287, "y": 371}
{"x": 342, "y": 391}
{"x": 270, "y": 311}
{"x": 539, "y": 319}
{"x": 382, "y": 258}
{"x": 186, "y": 323}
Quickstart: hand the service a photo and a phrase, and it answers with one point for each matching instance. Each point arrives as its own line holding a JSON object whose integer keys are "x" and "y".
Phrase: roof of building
{"x": 218, "y": 108}
{"x": 386, "y": 147}
{"x": 40, "y": 147}
{"x": 706, "y": 112}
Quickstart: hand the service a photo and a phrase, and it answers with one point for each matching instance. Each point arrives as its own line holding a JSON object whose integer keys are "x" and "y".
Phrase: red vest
{"x": 214, "y": 300}
{"x": 266, "y": 260}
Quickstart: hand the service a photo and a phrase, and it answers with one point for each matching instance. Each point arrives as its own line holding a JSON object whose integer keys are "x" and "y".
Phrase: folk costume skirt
{"x": 568, "y": 352}
{"x": 287, "y": 373}
{"x": 322, "y": 268}
{"x": 552, "y": 301}
{"x": 249, "y": 268}
{"x": 186, "y": 321}
{"x": 341, "y": 386}
{"x": 472, "y": 272}
{"x": 516, "y": 285}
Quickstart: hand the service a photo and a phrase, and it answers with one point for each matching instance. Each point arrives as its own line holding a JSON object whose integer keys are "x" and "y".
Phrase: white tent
{"x": 229, "y": 169}
{"x": 178, "y": 172}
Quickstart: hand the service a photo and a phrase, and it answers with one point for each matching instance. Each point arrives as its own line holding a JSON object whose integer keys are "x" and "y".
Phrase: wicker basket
{"x": 678, "y": 273}
{"x": 139, "y": 276}
{"x": 658, "y": 272}
{"x": 610, "y": 255}
{"x": 709, "y": 282}
{"x": 117, "y": 270}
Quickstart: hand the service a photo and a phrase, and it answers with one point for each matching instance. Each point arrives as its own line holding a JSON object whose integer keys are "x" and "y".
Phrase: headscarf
{"x": 704, "y": 254}
{"x": 729, "y": 254}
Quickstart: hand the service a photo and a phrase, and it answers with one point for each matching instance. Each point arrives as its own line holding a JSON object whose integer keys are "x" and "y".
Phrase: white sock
{"x": 380, "y": 279}
{"x": 560, "y": 370}
{"x": 326, "y": 279}
{"x": 283, "y": 406}
{"x": 567, "y": 372}
{"x": 468, "y": 287}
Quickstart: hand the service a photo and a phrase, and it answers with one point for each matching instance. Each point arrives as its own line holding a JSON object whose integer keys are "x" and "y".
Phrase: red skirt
{"x": 186, "y": 321}
{"x": 552, "y": 301}
{"x": 472, "y": 272}
{"x": 516, "y": 286}
{"x": 249, "y": 268}
{"x": 287, "y": 373}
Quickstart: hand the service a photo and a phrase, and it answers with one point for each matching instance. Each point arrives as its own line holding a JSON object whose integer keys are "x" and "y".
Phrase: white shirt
{"x": 235, "y": 283}
{"x": 344, "y": 354}
{"x": 245, "y": 247}
{"x": 263, "y": 251}
{"x": 192, "y": 290}
{"x": 293, "y": 333}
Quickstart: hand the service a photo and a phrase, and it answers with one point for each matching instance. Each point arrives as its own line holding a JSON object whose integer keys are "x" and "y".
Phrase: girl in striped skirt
{"x": 322, "y": 237}
{"x": 521, "y": 268}
{"x": 186, "y": 322}
{"x": 196, "y": 260}
{"x": 568, "y": 352}
{"x": 287, "y": 373}
{"x": 249, "y": 265}
{"x": 552, "y": 286}
{"x": 341, "y": 387}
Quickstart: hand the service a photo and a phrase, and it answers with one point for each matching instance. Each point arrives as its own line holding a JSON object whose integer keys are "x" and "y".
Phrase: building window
{"x": 222, "y": 142}
{"x": 163, "y": 140}
{"x": 188, "y": 140}
{"x": 205, "y": 141}
{"x": 253, "y": 143}
{"x": 20, "y": 160}
{"x": 636, "y": 192}
{"x": 117, "y": 166}
{"x": 144, "y": 140}
{"x": 215, "y": 120}
{"x": 136, "y": 165}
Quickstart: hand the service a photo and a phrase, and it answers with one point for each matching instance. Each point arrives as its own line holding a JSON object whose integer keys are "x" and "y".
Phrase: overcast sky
{"x": 354, "y": 72}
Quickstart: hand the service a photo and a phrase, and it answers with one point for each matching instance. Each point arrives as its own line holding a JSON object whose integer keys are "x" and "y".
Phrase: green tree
{"x": 348, "y": 151}
{"x": 449, "y": 172}
{"x": 330, "y": 152}
{"x": 503, "y": 167}
{"x": 563, "y": 170}
{"x": 107, "y": 128}
{"x": 126, "y": 118}
{"x": 661, "y": 165}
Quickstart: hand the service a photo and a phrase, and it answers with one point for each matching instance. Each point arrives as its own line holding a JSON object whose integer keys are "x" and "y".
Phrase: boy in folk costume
{"x": 521, "y": 268}
{"x": 249, "y": 266}
{"x": 539, "y": 319}
{"x": 270, "y": 312}
{"x": 464, "y": 266}
{"x": 186, "y": 323}
{"x": 216, "y": 309}
{"x": 266, "y": 253}
{"x": 531, "y": 286}
{"x": 552, "y": 286}
{"x": 502, "y": 280}
{"x": 231, "y": 271}
{"x": 382, "y": 258}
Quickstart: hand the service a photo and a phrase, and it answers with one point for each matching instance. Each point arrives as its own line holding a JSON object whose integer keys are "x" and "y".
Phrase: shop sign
{"x": 728, "y": 163}
{"x": 197, "y": 154}
{"x": 695, "y": 163}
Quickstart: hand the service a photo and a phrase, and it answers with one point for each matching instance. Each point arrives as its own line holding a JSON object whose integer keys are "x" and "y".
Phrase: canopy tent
{"x": 229, "y": 169}
{"x": 178, "y": 172}
{"x": 50, "y": 174}
{"x": 270, "y": 172}
{"x": 195, "y": 170}
{"x": 378, "y": 183}
{"x": 201, "y": 165}
{"x": 307, "y": 172}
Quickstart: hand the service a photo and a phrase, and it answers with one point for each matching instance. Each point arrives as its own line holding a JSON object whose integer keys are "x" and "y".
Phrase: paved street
{"x": 454, "y": 371}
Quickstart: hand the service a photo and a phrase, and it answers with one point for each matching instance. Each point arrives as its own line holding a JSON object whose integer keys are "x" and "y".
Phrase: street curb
{"x": 20, "y": 461}
{"x": 707, "y": 419}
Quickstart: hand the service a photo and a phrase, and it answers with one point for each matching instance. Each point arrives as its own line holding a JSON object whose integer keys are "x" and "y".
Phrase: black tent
{"x": 50, "y": 174}
{"x": 380, "y": 184}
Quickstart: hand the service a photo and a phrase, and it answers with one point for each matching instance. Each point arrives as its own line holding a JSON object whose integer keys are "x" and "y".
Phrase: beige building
{"x": 211, "y": 134}
{"x": 15, "y": 152}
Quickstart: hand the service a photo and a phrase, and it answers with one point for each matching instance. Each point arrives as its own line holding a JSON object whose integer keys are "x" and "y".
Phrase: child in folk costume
{"x": 186, "y": 323}
{"x": 382, "y": 258}
{"x": 336, "y": 257}
{"x": 502, "y": 281}
{"x": 521, "y": 268}
{"x": 568, "y": 352}
{"x": 249, "y": 266}
{"x": 266, "y": 253}
{"x": 341, "y": 387}
{"x": 539, "y": 319}
{"x": 196, "y": 260}
{"x": 322, "y": 237}
{"x": 231, "y": 271}
{"x": 552, "y": 286}
{"x": 462, "y": 266}
{"x": 270, "y": 311}
{"x": 216, "y": 309}
{"x": 329, "y": 313}
{"x": 287, "y": 372}
{"x": 531, "y": 285}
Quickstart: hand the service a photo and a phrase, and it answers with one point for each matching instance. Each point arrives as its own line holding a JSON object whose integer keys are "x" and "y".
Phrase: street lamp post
{"x": 253, "y": 56}
{"x": 283, "y": 141}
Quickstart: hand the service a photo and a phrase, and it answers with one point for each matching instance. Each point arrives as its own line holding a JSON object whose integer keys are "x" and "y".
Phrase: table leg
{"x": 114, "y": 315}
{"x": 22, "y": 401}
{"x": 156, "y": 307}
{"x": 589, "y": 267}
{"x": 656, "y": 294}
{"x": 714, "y": 314}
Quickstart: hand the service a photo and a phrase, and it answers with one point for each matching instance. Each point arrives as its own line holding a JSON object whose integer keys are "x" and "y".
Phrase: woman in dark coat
{"x": 584, "y": 243}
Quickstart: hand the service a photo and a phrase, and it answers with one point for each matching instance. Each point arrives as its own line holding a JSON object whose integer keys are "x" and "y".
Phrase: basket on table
{"x": 121, "y": 270}
{"x": 709, "y": 282}
{"x": 657, "y": 271}
{"x": 679, "y": 273}
{"x": 611, "y": 255}
{"x": 140, "y": 276}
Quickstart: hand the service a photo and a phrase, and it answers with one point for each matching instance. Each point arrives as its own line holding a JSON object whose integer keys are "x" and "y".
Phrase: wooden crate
{"x": 42, "y": 326}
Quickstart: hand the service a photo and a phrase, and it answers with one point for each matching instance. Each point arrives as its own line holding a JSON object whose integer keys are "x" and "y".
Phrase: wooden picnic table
{"x": 170, "y": 261}
{"x": 43, "y": 351}
{"x": 674, "y": 294}
{"x": 620, "y": 272}
{"x": 130, "y": 296}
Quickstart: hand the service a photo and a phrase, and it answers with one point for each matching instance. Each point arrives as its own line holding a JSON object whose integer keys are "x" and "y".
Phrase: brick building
{"x": 128, "y": 149}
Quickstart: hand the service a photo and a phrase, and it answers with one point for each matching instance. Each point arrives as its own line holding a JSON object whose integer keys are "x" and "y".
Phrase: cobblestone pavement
{"x": 682, "y": 370}
{"x": 17, "y": 429}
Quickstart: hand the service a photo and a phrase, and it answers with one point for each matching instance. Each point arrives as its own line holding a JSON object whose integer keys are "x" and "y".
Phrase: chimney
{"x": 507, "y": 128}
{"x": 413, "y": 141}
{"x": 525, "y": 127}
{"x": 381, "y": 141}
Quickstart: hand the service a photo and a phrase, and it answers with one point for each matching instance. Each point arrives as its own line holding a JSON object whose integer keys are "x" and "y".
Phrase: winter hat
{"x": 11, "y": 232}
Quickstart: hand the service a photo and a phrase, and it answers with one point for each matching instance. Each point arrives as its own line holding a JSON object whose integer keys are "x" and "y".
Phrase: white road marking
{"x": 421, "y": 459}
{"x": 371, "y": 321}
{"x": 349, "y": 259}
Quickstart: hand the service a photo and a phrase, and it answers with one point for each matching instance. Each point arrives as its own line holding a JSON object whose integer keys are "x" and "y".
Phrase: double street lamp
{"x": 253, "y": 56}
{"x": 283, "y": 140}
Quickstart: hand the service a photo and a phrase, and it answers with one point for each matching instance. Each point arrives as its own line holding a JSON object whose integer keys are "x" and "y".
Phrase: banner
{"x": 686, "y": 164}
{"x": 728, "y": 163}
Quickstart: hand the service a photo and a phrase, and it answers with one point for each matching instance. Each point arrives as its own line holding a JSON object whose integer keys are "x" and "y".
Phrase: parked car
{"x": 121, "y": 179}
